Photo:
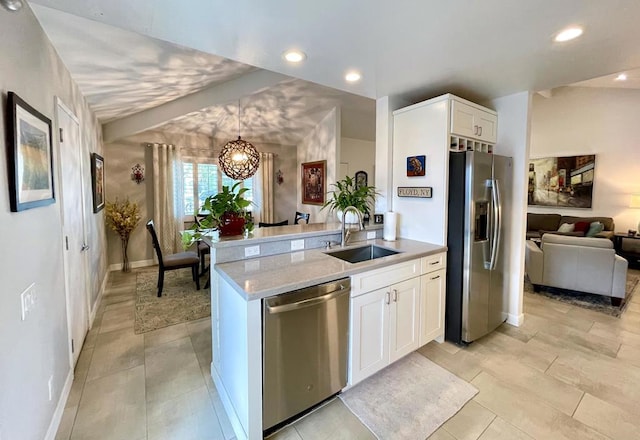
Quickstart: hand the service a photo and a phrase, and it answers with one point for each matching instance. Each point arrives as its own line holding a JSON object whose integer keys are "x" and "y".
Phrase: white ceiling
{"x": 414, "y": 49}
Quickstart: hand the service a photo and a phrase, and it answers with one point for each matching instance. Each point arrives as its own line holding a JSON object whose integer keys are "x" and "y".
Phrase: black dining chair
{"x": 301, "y": 216}
{"x": 179, "y": 260}
{"x": 203, "y": 248}
{"x": 268, "y": 225}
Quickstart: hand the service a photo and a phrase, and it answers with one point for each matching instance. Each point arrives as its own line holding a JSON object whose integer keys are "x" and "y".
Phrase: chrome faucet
{"x": 347, "y": 232}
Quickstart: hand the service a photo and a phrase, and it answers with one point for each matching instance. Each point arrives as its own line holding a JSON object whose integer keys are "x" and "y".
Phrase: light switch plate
{"x": 371, "y": 234}
{"x": 251, "y": 251}
{"x": 27, "y": 300}
{"x": 297, "y": 245}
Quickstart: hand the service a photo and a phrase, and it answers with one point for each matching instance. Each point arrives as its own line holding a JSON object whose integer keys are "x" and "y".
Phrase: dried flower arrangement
{"x": 122, "y": 218}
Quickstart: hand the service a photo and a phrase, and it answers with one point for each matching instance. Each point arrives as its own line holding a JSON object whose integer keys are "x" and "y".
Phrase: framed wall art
{"x": 362, "y": 179}
{"x": 97, "y": 181}
{"x": 564, "y": 182}
{"x": 415, "y": 166}
{"x": 30, "y": 155}
{"x": 314, "y": 176}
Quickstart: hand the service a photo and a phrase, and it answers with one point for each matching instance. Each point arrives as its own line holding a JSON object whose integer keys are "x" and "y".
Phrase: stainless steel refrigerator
{"x": 479, "y": 192}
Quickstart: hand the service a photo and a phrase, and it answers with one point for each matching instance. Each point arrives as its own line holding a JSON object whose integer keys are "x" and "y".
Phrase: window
{"x": 202, "y": 180}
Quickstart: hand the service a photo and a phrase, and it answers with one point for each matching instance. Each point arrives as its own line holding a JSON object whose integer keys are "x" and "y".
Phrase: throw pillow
{"x": 581, "y": 227}
{"x": 595, "y": 228}
{"x": 566, "y": 227}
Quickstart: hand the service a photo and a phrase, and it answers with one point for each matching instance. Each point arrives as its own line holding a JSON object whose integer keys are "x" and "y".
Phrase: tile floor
{"x": 567, "y": 373}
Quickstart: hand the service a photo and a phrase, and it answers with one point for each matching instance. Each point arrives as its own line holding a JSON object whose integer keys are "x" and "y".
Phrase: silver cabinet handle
{"x": 434, "y": 262}
{"x": 308, "y": 302}
{"x": 436, "y": 277}
{"x": 475, "y": 129}
{"x": 480, "y": 130}
{"x": 395, "y": 295}
{"x": 387, "y": 298}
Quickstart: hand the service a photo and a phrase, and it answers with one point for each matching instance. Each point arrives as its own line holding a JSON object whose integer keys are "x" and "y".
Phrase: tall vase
{"x": 124, "y": 241}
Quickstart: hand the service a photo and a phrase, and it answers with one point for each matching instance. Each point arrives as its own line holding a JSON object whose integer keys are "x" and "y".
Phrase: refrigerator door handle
{"x": 496, "y": 223}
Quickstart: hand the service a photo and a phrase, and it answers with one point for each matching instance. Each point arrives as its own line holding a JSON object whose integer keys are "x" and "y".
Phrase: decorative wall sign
{"x": 314, "y": 182}
{"x": 97, "y": 181}
{"x": 415, "y": 191}
{"x": 416, "y": 166}
{"x": 30, "y": 154}
{"x": 378, "y": 219}
{"x": 563, "y": 182}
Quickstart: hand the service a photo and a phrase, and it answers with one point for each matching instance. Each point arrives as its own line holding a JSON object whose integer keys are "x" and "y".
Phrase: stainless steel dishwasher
{"x": 305, "y": 343}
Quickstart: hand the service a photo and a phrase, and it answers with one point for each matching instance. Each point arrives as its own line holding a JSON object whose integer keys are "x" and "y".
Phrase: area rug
{"x": 180, "y": 301}
{"x": 590, "y": 301}
{"x": 409, "y": 399}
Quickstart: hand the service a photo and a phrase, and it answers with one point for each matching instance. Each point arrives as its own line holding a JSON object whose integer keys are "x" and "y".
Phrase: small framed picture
{"x": 97, "y": 181}
{"x": 30, "y": 155}
{"x": 314, "y": 182}
{"x": 362, "y": 179}
{"x": 416, "y": 166}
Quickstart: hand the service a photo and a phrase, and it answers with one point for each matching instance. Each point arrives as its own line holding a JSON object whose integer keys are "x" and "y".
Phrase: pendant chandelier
{"x": 239, "y": 159}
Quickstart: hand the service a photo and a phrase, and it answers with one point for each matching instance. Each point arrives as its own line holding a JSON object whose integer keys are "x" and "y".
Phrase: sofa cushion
{"x": 566, "y": 227}
{"x": 595, "y": 228}
{"x": 607, "y": 222}
{"x": 581, "y": 227}
{"x": 543, "y": 222}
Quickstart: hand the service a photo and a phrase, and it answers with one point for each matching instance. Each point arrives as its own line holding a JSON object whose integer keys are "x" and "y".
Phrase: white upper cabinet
{"x": 473, "y": 122}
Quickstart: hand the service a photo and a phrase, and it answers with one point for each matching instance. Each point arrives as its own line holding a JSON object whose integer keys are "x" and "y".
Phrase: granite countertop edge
{"x": 263, "y": 277}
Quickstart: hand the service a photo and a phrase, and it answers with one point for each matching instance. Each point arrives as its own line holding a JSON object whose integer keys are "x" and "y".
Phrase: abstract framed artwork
{"x": 564, "y": 182}
{"x": 97, "y": 181}
{"x": 314, "y": 182}
{"x": 415, "y": 166}
{"x": 30, "y": 156}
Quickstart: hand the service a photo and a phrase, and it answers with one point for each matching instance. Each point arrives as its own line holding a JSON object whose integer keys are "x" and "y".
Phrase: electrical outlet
{"x": 50, "y": 385}
{"x": 27, "y": 301}
{"x": 251, "y": 251}
{"x": 297, "y": 245}
{"x": 371, "y": 234}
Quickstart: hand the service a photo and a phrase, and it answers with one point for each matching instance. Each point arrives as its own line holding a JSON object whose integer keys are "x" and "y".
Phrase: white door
{"x": 432, "y": 305}
{"x": 404, "y": 315}
{"x": 369, "y": 334}
{"x": 73, "y": 228}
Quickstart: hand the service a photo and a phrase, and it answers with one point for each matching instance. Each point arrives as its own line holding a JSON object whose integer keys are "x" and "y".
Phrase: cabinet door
{"x": 369, "y": 334}
{"x": 404, "y": 318}
{"x": 487, "y": 124}
{"x": 462, "y": 119}
{"x": 432, "y": 298}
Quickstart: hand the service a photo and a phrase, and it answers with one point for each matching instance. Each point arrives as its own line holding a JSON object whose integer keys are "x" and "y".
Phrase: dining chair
{"x": 179, "y": 260}
{"x": 203, "y": 248}
{"x": 301, "y": 216}
{"x": 268, "y": 225}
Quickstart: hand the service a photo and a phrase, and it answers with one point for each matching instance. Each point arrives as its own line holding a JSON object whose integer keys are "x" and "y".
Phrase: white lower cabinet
{"x": 432, "y": 295}
{"x": 384, "y": 327}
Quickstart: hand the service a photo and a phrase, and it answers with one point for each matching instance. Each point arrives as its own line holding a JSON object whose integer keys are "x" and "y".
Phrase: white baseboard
{"x": 96, "y": 305}
{"x": 238, "y": 430}
{"x": 62, "y": 401}
{"x": 515, "y": 320}
{"x": 133, "y": 264}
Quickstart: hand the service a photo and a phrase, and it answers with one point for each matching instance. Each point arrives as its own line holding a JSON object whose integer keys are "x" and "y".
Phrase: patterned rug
{"x": 591, "y": 301}
{"x": 180, "y": 301}
{"x": 409, "y": 399}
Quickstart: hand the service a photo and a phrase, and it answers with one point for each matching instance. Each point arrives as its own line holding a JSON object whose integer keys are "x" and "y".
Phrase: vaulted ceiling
{"x": 129, "y": 57}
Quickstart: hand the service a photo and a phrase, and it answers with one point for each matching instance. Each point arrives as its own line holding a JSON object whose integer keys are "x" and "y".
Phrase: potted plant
{"x": 122, "y": 218}
{"x": 348, "y": 193}
{"x": 226, "y": 212}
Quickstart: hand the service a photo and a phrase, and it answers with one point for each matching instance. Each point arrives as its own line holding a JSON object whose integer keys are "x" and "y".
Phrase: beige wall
{"x": 37, "y": 349}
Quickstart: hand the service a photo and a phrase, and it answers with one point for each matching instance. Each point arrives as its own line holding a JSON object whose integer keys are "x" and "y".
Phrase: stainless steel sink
{"x": 364, "y": 253}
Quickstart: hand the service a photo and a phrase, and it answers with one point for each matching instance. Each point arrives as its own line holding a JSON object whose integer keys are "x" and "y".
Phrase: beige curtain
{"x": 167, "y": 196}
{"x": 263, "y": 185}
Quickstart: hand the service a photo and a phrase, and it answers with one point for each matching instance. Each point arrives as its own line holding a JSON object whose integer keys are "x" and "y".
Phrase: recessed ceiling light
{"x": 294, "y": 56}
{"x": 353, "y": 76}
{"x": 568, "y": 34}
{"x": 621, "y": 77}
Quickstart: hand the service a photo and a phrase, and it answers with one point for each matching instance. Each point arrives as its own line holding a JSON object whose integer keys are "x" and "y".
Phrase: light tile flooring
{"x": 567, "y": 373}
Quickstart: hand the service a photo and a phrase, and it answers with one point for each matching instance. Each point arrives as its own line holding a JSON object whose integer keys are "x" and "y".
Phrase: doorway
{"x": 73, "y": 228}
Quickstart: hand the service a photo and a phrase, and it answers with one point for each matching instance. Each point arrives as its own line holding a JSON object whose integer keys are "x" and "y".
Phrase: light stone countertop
{"x": 259, "y": 278}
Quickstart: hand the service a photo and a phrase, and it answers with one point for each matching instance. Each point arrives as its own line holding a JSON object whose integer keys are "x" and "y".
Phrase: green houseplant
{"x": 347, "y": 193}
{"x": 227, "y": 212}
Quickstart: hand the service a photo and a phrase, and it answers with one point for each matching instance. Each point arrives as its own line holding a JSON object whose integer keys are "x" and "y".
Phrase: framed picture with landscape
{"x": 30, "y": 156}
{"x": 97, "y": 181}
{"x": 314, "y": 182}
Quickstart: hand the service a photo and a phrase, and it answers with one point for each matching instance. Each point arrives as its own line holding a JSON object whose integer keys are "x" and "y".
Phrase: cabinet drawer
{"x": 433, "y": 262}
{"x": 385, "y": 276}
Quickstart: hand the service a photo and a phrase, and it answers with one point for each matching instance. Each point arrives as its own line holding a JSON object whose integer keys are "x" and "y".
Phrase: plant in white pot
{"x": 347, "y": 193}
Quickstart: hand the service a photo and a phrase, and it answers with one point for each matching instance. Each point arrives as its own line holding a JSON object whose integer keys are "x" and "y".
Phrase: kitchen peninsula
{"x": 405, "y": 290}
